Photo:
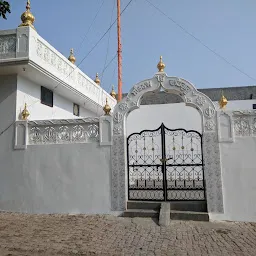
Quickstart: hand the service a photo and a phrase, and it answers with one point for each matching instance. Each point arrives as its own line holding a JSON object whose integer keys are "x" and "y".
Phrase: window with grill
{"x": 46, "y": 96}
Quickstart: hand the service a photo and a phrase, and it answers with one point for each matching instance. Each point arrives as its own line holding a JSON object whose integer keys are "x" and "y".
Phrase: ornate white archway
{"x": 192, "y": 97}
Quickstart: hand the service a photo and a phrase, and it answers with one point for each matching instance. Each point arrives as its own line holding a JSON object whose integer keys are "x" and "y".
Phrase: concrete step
{"x": 143, "y": 205}
{"x": 174, "y": 215}
{"x": 143, "y": 213}
{"x": 189, "y": 215}
{"x": 179, "y": 210}
{"x": 193, "y": 206}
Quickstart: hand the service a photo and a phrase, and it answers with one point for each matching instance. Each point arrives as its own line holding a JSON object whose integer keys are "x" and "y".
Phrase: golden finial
{"x": 97, "y": 80}
{"x": 107, "y": 108}
{"x": 27, "y": 17}
{"x": 223, "y": 101}
{"x": 161, "y": 65}
{"x": 71, "y": 57}
{"x": 113, "y": 93}
{"x": 25, "y": 114}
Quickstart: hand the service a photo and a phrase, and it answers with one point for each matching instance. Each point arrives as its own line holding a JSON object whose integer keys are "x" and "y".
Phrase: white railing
{"x": 236, "y": 123}
{"x": 63, "y": 131}
{"x": 244, "y": 122}
{"x": 7, "y": 45}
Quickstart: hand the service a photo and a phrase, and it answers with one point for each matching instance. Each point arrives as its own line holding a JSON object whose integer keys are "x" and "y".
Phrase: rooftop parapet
{"x": 24, "y": 46}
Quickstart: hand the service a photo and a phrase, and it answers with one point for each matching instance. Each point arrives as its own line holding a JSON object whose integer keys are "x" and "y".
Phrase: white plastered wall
{"x": 63, "y": 178}
{"x": 238, "y": 162}
{"x": 30, "y": 93}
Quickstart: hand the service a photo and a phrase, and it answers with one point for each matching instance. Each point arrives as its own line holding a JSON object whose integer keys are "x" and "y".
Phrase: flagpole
{"x": 119, "y": 51}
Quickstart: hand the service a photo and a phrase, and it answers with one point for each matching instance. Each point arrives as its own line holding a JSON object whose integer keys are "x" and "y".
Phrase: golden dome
{"x": 113, "y": 93}
{"x": 223, "y": 101}
{"x": 161, "y": 65}
{"x": 27, "y": 17}
{"x": 71, "y": 57}
{"x": 25, "y": 114}
{"x": 107, "y": 108}
{"x": 97, "y": 80}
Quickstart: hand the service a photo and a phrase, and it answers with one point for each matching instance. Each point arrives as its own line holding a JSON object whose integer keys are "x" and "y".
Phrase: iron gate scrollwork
{"x": 165, "y": 165}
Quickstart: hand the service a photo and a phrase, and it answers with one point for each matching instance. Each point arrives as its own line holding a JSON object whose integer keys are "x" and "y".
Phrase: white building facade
{"x": 65, "y": 113}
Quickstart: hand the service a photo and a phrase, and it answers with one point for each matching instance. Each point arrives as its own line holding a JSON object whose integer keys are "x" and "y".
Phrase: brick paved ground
{"x": 23, "y": 234}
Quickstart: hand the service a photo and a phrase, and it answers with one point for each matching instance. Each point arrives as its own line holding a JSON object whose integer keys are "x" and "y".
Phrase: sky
{"x": 225, "y": 27}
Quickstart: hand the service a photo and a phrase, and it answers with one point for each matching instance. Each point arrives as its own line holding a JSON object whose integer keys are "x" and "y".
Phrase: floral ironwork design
{"x": 165, "y": 164}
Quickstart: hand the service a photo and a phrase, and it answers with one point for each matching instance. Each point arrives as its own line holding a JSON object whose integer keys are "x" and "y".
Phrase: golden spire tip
{"x": 113, "y": 93}
{"x": 107, "y": 108}
{"x": 71, "y": 57}
{"x": 161, "y": 65}
{"x": 223, "y": 101}
{"x": 97, "y": 80}
{"x": 25, "y": 114}
{"x": 27, "y": 17}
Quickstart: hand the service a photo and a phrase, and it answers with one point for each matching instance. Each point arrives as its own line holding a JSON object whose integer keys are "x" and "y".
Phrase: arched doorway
{"x": 210, "y": 146}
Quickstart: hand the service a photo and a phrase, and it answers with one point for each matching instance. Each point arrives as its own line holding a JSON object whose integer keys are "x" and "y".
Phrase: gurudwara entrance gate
{"x": 165, "y": 165}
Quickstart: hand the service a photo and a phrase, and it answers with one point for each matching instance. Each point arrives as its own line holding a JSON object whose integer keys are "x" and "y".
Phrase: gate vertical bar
{"x": 201, "y": 136}
{"x": 128, "y": 167}
{"x": 164, "y": 161}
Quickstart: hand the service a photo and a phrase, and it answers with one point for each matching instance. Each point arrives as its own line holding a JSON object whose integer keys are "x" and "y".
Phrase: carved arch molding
{"x": 192, "y": 97}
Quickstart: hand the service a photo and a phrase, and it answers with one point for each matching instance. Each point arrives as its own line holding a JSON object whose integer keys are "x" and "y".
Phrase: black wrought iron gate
{"x": 165, "y": 165}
